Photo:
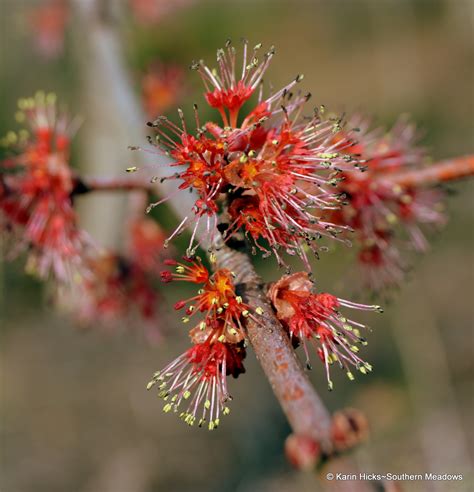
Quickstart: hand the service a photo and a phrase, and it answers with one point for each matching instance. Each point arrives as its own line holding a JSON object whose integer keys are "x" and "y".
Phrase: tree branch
{"x": 88, "y": 184}
{"x": 301, "y": 404}
{"x": 440, "y": 172}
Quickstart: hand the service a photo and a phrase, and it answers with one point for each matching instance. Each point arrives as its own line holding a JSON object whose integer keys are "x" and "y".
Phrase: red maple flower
{"x": 276, "y": 163}
{"x": 387, "y": 218}
{"x": 198, "y": 378}
{"x": 162, "y": 86}
{"x": 218, "y": 338}
{"x": 314, "y": 319}
{"x": 48, "y": 23}
{"x": 36, "y": 205}
{"x": 217, "y": 299}
{"x": 146, "y": 244}
{"x": 118, "y": 289}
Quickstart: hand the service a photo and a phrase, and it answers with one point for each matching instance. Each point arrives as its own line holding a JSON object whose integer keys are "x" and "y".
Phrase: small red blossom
{"x": 48, "y": 23}
{"x": 35, "y": 205}
{"x": 218, "y": 340}
{"x": 118, "y": 289}
{"x": 217, "y": 299}
{"x": 198, "y": 378}
{"x": 146, "y": 244}
{"x": 315, "y": 319}
{"x": 191, "y": 271}
{"x": 387, "y": 218}
{"x": 162, "y": 86}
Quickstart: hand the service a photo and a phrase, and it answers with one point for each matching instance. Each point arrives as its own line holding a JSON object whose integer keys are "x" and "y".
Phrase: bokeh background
{"x": 75, "y": 415}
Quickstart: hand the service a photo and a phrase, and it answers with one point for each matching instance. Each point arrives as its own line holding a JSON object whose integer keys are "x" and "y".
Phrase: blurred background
{"x": 75, "y": 415}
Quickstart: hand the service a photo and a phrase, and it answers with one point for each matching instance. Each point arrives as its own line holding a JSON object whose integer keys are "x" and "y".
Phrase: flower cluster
{"x": 384, "y": 215}
{"x": 121, "y": 286}
{"x": 197, "y": 378}
{"x": 162, "y": 86}
{"x": 36, "y": 212}
{"x": 314, "y": 319}
{"x": 272, "y": 170}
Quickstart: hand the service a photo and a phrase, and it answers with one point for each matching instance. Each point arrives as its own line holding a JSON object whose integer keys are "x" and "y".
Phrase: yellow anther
{"x": 391, "y": 218}
{"x": 207, "y": 404}
{"x": 167, "y": 407}
{"x": 259, "y": 310}
{"x": 185, "y": 319}
{"x": 179, "y": 269}
{"x": 202, "y": 325}
{"x": 350, "y": 375}
{"x": 226, "y": 411}
{"x": 186, "y": 394}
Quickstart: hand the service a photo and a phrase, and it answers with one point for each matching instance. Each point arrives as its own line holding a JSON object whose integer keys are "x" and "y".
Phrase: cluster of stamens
{"x": 272, "y": 170}
{"x": 36, "y": 212}
{"x": 199, "y": 376}
{"x": 315, "y": 320}
{"x": 386, "y": 217}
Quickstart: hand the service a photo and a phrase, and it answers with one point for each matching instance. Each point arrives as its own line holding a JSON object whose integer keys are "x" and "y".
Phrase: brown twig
{"x": 119, "y": 183}
{"x": 301, "y": 404}
{"x": 440, "y": 172}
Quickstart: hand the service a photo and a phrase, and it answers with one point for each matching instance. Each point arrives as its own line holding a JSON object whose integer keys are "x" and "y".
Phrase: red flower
{"x": 162, "y": 86}
{"x": 218, "y": 340}
{"x": 48, "y": 24}
{"x": 146, "y": 244}
{"x": 279, "y": 167}
{"x": 118, "y": 289}
{"x": 315, "y": 319}
{"x": 385, "y": 216}
{"x": 217, "y": 299}
{"x": 198, "y": 378}
{"x": 36, "y": 206}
